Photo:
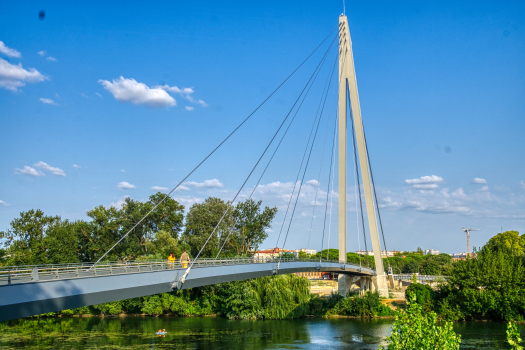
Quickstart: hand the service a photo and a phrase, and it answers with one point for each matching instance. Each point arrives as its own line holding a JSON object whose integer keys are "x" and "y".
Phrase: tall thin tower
{"x": 348, "y": 83}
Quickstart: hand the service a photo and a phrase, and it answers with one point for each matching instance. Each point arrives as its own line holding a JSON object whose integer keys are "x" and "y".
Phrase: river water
{"x": 219, "y": 333}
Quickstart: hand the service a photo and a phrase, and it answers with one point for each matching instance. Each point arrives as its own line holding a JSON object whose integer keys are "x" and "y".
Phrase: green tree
{"x": 200, "y": 223}
{"x": 491, "y": 285}
{"x": 251, "y": 224}
{"x": 416, "y": 329}
{"x": 62, "y": 242}
{"x": 508, "y": 241}
{"x": 421, "y": 294}
{"x": 25, "y": 240}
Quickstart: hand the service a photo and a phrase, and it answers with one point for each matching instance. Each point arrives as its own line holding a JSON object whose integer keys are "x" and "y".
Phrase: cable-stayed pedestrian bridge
{"x": 32, "y": 290}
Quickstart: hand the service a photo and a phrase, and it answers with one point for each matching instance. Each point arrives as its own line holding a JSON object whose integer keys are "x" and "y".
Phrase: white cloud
{"x": 522, "y": 184}
{"x": 129, "y": 90}
{"x": 125, "y": 185}
{"x": 425, "y": 180}
{"x": 182, "y": 188}
{"x": 484, "y": 188}
{"x": 189, "y": 108}
{"x": 7, "y": 51}
{"x": 44, "y": 166}
{"x": 27, "y": 170}
{"x": 84, "y": 95}
{"x": 99, "y": 95}
{"x": 76, "y": 166}
{"x": 14, "y": 76}
{"x": 119, "y": 203}
{"x": 425, "y": 186}
{"x": 188, "y": 201}
{"x": 47, "y": 101}
{"x": 313, "y": 182}
{"x": 41, "y": 53}
{"x": 52, "y": 59}
{"x": 122, "y": 170}
{"x": 202, "y": 103}
{"x": 477, "y": 180}
{"x": 2, "y": 202}
{"x": 159, "y": 188}
{"x": 186, "y": 93}
{"x": 206, "y": 184}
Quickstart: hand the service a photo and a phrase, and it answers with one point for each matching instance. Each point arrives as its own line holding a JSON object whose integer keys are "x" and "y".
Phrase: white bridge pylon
{"x": 348, "y": 83}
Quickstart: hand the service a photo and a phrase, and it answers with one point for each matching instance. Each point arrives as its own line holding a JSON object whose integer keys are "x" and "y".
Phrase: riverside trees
{"x": 34, "y": 238}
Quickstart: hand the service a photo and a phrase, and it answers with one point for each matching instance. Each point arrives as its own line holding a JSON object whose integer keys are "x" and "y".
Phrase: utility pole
{"x": 467, "y": 230}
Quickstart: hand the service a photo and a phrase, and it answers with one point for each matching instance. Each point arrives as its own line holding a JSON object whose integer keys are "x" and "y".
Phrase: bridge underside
{"x": 34, "y": 298}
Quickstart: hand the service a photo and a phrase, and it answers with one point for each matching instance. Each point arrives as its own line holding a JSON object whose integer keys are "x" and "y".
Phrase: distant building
{"x": 460, "y": 256}
{"x": 308, "y": 251}
{"x": 268, "y": 253}
{"x": 384, "y": 253}
{"x": 431, "y": 252}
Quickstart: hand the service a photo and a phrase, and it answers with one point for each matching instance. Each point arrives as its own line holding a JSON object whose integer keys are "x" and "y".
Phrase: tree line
{"x": 36, "y": 238}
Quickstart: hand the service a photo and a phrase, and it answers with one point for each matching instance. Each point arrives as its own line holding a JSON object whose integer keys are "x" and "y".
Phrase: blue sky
{"x": 111, "y": 99}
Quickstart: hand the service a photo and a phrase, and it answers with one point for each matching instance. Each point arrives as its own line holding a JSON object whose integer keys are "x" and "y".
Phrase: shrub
{"x": 416, "y": 329}
{"x": 423, "y": 295}
{"x": 513, "y": 336}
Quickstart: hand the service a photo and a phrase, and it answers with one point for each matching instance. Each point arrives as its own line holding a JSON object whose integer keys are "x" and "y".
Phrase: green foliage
{"x": 202, "y": 219}
{"x": 489, "y": 286}
{"x": 26, "y": 240}
{"x": 508, "y": 241}
{"x": 367, "y": 306}
{"x": 414, "y": 279}
{"x": 416, "y": 329}
{"x": 514, "y": 336}
{"x": 251, "y": 225}
{"x": 422, "y": 294}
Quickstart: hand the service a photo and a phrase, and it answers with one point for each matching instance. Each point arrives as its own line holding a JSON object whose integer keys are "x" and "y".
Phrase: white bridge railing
{"x": 35, "y": 273}
{"x": 420, "y": 278}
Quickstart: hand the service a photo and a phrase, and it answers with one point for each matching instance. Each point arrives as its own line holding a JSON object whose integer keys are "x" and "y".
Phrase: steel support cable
{"x": 314, "y": 75}
{"x": 254, "y": 167}
{"x": 328, "y": 192}
{"x": 298, "y": 173}
{"x": 316, "y": 72}
{"x": 375, "y": 197}
{"x": 321, "y": 166}
{"x": 309, "y": 155}
{"x": 358, "y": 183}
{"x": 258, "y": 161}
{"x": 332, "y": 192}
{"x": 357, "y": 209}
{"x": 215, "y": 149}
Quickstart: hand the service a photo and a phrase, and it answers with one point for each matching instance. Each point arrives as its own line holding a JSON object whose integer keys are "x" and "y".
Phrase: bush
{"x": 423, "y": 295}
{"x": 513, "y": 336}
{"x": 366, "y": 306}
{"x": 416, "y": 329}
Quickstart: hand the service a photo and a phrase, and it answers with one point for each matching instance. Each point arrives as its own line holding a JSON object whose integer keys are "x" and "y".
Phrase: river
{"x": 219, "y": 333}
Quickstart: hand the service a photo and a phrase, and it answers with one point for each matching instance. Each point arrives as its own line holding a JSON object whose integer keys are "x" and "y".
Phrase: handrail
{"x": 34, "y": 273}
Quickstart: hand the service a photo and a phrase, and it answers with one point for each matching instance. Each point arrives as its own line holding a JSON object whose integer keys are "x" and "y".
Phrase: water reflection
{"x": 218, "y": 333}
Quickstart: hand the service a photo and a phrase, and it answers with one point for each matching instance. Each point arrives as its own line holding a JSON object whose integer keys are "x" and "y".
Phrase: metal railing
{"x": 35, "y": 273}
{"x": 420, "y": 278}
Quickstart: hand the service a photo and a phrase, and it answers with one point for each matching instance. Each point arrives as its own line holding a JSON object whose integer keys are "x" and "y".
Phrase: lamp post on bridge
{"x": 348, "y": 83}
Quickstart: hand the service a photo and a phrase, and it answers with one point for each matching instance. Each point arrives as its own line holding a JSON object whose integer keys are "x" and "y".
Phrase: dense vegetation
{"x": 418, "y": 329}
{"x": 489, "y": 285}
{"x": 35, "y": 238}
{"x": 406, "y": 262}
{"x": 270, "y": 298}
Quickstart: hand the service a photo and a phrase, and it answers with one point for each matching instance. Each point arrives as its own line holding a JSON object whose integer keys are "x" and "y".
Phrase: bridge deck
{"x": 33, "y": 290}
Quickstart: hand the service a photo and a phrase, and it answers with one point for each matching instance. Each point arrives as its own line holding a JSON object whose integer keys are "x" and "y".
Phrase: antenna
{"x": 344, "y": 10}
{"x": 467, "y": 230}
